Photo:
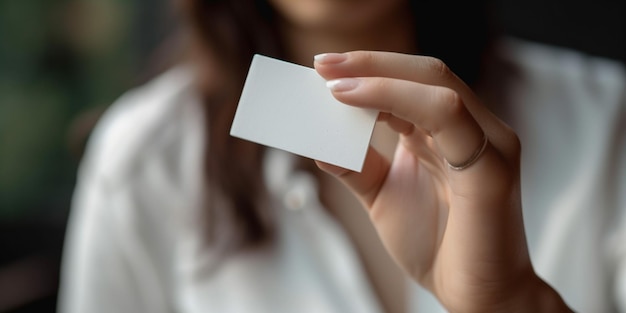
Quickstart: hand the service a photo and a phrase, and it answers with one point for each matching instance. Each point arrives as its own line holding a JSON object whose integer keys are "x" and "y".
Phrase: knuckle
{"x": 512, "y": 147}
{"x": 438, "y": 67}
{"x": 449, "y": 102}
{"x": 515, "y": 144}
{"x": 364, "y": 58}
{"x": 379, "y": 86}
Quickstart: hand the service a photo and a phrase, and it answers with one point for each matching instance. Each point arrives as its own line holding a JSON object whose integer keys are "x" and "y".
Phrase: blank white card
{"x": 288, "y": 107}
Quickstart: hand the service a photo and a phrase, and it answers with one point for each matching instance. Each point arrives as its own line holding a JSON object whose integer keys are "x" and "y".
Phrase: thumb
{"x": 364, "y": 185}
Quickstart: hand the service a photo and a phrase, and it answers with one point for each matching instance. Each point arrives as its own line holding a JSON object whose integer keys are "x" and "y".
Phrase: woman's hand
{"x": 457, "y": 232}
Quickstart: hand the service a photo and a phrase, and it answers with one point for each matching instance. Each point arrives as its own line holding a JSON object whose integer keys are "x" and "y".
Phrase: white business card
{"x": 288, "y": 107}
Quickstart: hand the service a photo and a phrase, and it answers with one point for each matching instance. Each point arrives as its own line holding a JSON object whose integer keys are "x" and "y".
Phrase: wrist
{"x": 549, "y": 300}
{"x": 528, "y": 293}
{"x": 537, "y": 296}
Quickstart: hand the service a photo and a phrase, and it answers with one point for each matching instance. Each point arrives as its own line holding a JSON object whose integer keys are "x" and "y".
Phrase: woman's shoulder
{"x": 152, "y": 126}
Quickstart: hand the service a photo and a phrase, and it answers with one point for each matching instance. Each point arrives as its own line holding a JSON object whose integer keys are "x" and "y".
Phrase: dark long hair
{"x": 230, "y": 32}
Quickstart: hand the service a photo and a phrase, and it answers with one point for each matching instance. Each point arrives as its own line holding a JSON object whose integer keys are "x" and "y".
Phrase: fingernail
{"x": 342, "y": 84}
{"x": 330, "y": 58}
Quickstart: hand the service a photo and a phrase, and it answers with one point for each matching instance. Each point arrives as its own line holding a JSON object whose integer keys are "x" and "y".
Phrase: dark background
{"x": 62, "y": 62}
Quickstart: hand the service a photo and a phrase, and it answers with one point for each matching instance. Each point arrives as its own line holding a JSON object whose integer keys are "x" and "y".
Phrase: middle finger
{"x": 440, "y": 111}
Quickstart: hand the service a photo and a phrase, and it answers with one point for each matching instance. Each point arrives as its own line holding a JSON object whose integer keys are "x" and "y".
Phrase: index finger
{"x": 416, "y": 68}
{"x": 420, "y": 69}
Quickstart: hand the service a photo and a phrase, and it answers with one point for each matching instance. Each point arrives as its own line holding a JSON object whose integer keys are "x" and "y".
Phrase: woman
{"x": 263, "y": 231}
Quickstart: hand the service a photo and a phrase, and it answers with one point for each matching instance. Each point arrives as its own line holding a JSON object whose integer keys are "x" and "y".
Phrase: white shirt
{"x": 569, "y": 110}
{"x": 134, "y": 242}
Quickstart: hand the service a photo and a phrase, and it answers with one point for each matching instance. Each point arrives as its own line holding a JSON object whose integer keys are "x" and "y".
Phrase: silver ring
{"x": 473, "y": 158}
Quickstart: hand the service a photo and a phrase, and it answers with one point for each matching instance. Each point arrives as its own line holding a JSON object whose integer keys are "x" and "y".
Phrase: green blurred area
{"x": 61, "y": 63}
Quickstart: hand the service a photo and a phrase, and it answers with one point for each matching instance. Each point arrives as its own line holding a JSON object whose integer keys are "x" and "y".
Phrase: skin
{"x": 458, "y": 233}
{"x": 339, "y": 17}
{"x": 310, "y": 27}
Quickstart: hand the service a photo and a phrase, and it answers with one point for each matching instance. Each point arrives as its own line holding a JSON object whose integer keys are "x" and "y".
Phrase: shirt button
{"x": 295, "y": 199}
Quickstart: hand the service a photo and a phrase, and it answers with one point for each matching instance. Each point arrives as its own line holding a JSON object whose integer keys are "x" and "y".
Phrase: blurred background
{"x": 62, "y": 62}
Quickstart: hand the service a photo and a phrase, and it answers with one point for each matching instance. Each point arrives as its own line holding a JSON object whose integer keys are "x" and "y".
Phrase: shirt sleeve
{"x": 619, "y": 278}
{"x": 97, "y": 270}
{"x": 108, "y": 264}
